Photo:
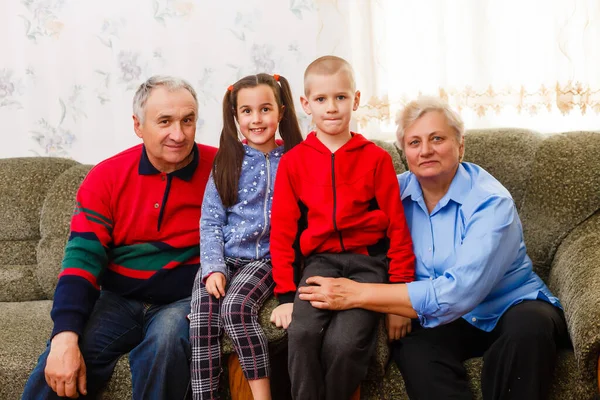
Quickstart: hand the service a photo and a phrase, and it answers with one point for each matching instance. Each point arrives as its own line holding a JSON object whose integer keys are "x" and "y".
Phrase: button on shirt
{"x": 471, "y": 260}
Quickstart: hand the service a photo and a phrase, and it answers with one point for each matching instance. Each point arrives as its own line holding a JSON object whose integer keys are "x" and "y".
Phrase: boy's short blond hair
{"x": 328, "y": 65}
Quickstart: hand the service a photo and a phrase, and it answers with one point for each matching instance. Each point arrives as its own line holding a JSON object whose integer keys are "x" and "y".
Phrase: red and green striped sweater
{"x": 134, "y": 232}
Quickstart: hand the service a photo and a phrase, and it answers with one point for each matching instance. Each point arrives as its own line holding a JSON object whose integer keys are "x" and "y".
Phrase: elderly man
{"x": 132, "y": 255}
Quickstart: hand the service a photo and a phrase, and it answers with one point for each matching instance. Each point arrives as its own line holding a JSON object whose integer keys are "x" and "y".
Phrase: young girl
{"x": 235, "y": 278}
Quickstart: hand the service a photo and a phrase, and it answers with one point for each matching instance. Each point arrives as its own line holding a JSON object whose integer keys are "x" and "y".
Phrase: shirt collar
{"x": 251, "y": 151}
{"x": 186, "y": 173}
{"x": 413, "y": 188}
{"x": 457, "y": 192}
{"x": 459, "y": 188}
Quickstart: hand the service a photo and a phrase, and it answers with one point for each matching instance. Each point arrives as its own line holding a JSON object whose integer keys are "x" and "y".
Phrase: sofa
{"x": 554, "y": 180}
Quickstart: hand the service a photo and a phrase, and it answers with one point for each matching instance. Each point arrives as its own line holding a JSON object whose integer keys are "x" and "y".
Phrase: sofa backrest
{"x": 24, "y": 184}
{"x": 555, "y": 181}
{"x": 507, "y": 154}
{"x": 563, "y": 191}
{"x": 55, "y": 224}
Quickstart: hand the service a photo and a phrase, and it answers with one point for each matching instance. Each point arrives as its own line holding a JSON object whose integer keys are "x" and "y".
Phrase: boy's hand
{"x": 215, "y": 284}
{"x": 397, "y": 326}
{"x": 282, "y": 315}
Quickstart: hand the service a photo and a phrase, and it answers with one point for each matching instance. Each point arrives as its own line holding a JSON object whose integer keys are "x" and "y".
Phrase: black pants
{"x": 330, "y": 351}
{"x": 518, "y": 355}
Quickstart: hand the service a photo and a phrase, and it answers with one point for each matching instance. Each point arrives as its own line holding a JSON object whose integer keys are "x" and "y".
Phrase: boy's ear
{"x": 136, "y": 126}
{"x": 356, "y": 100}
{"x": 305, "y": 105}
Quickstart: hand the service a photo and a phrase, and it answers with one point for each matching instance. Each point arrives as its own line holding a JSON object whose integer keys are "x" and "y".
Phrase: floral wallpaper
{"x": 70, "y": 68}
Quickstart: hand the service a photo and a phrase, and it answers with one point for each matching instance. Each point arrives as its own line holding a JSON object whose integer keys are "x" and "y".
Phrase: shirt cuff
{"x": 68, "y": 321}
{"x": 209, "y": 270}
{"x": 423, "y": 299}
{"x": 285, "y": 298}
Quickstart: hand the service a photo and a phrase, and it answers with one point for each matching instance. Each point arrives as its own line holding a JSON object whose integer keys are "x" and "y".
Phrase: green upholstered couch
{"x": 554, "y": 180}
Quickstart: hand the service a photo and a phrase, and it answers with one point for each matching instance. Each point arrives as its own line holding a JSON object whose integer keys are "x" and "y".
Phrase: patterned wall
{"x": 69, "y": 68}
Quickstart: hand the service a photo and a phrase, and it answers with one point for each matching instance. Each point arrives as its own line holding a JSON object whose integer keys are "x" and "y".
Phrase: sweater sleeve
{"x": 284, "y": 229}
{"x": 400, "y": 253}
{"x": 85, "y": 256}
{"x": 212, "y": 245}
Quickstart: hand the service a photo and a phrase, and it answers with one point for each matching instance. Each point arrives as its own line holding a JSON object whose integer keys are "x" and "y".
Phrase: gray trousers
{"x": 330, "y": 351}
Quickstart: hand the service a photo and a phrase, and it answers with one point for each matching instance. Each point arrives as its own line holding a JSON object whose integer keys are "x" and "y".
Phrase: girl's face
{"x": 258, "y": 115}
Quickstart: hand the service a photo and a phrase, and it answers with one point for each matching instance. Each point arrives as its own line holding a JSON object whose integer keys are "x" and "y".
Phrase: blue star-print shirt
{"x": 243, "y": 230}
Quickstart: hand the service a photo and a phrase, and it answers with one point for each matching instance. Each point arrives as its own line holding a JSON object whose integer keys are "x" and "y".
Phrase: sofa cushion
{"x": 54, "y": 226}
{"x": 24, "y": 183}
{"x": 17, "y": 271}
{"x": 24, "y": 331}
{"x": 564, "y": 190}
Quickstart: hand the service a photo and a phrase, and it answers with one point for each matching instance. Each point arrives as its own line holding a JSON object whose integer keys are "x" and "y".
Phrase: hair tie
{"x": 276, "y": 77}
{"x": 230, "y": 88}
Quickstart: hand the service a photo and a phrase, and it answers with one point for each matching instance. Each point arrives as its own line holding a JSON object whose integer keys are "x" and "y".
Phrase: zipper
{"x": 265, "y": 205}
{"x": 335, "y": 201}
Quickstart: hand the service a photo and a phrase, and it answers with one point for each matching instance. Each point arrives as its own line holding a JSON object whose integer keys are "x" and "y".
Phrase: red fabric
{"x": 363, "y": 172}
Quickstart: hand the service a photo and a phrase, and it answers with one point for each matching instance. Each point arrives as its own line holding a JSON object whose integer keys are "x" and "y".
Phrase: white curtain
{"x": 525, "y": 63}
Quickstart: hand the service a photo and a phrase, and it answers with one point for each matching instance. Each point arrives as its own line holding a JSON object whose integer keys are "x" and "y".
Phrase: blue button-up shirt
{"x": 471, "y": 260}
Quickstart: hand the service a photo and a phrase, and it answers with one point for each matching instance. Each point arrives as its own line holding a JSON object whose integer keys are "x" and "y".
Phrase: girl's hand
{"x": 215, "y": 284}
{"x": 282, "y": 315}
{"x": 397, "y": 326}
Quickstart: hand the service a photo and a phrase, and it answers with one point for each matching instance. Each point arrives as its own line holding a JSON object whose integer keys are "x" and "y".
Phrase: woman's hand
{"x": 215, "y": 284}
{"x": 330, "y": 293}
{"x": 397, "y": 326}
{"x": 282, "y": 315}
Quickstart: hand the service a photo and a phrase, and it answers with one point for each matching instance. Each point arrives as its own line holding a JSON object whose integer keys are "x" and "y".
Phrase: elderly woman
{"x": 475, "y": 292}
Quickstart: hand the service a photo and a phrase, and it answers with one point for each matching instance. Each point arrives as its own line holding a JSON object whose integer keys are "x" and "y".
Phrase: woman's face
{"x": 432, "y": 149}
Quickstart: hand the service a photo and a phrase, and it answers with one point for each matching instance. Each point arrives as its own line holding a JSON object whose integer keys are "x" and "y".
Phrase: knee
{"x": 236, "y": 310}
{"x": 171, "y": 338}
{"x": 411, "y": 356}
{"x": 345, "y": 346}
{"x": 304, "y": 335}
{"x": 528, "y": 337}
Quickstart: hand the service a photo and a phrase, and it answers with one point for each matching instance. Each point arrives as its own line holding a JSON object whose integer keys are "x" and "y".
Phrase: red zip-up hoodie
{"x": 338, "y": 202}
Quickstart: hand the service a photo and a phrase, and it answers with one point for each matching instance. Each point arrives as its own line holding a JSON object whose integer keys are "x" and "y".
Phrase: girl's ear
{"x": 281, "y": 113}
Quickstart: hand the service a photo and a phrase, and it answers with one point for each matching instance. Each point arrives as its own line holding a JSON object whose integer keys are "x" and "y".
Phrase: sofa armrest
{"x": 575, "y": 279}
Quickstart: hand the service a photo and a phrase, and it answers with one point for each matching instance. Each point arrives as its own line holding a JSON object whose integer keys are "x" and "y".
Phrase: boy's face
{"x": 330, "y": 101}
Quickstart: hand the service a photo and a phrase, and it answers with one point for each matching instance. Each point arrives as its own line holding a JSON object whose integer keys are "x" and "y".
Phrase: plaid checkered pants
{"x": 249, "y": 284}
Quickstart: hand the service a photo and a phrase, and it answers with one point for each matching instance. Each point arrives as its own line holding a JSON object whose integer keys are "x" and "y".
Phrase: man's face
{"x": 169, "y": 128}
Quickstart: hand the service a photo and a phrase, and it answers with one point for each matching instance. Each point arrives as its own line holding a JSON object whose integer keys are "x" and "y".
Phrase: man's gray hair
{"x": 424, "y": 104}
{"x": 143, "y": 92}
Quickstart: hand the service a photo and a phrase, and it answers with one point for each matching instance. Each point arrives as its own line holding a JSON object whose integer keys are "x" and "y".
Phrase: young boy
{"x": 336, "y": 213}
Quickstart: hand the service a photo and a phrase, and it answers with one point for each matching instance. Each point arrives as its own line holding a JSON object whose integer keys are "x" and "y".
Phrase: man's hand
{"x": 330, "y": 293}
{"x": 282, "y": 315}
{"x": 215, "y": 284}
{"x": 397, "y": 326}
{"x": 65, "y": 369}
